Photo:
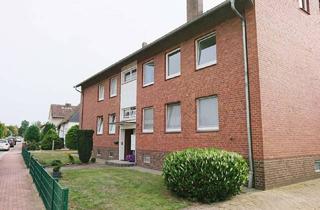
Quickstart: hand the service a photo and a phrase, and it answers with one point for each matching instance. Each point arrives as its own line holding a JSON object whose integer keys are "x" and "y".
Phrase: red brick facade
{"x": 284, "y": 96}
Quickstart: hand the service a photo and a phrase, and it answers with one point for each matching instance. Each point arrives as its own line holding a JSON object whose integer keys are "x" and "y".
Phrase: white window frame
{"x": 98, "y": 131}
{"x": 132, "y": 110}
{"x": 197, "y": 51}
{"x": 143, "y": 129}
{"x": 116, "y": 84}
{"x": 167, "y": 64}
{"x": 100, "y": 92}
{"x": 112, "y": 124}
{"x": 305, "y": 5}
{"x": 317, "y": 162}
{"x": 143, "y": 68}
{"x": 198, "y": 107}
{"x": 123, "y": 73}
{"x": 173, "y": 130}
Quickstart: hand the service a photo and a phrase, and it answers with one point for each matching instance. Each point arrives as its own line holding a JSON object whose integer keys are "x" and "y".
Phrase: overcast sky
{"x": 46, "y": 47}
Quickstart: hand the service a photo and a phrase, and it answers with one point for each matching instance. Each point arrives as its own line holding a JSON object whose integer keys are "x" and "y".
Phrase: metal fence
{"x": 54, "y": 196}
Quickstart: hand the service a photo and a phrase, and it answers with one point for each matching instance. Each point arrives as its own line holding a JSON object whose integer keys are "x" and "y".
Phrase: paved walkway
{"x": 17, "y": 192}
{"x": 305, "y": 195}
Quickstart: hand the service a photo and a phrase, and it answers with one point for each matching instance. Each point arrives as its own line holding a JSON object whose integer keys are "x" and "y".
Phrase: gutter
{"x": 247, "y": 90}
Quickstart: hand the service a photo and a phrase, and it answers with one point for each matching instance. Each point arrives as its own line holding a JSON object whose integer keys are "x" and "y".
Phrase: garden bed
{"x": 46, "y": 157}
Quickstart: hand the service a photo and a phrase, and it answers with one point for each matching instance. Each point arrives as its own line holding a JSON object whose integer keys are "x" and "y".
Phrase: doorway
{"x": 128, "y": 142}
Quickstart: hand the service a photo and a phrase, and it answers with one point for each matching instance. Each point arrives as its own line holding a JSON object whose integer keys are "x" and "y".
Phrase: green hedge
{"x": 85, "y": 144}
{"x": 71, "y": 138}
{"x": 49, "y": 137}
{"x": 205, "y": 175}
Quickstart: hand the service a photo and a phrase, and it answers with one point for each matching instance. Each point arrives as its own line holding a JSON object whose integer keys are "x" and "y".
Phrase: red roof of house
{"x": 62, "y": 111}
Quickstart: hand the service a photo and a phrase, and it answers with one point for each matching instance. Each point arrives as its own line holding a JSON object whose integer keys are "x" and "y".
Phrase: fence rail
{"x": 54, "y": 196}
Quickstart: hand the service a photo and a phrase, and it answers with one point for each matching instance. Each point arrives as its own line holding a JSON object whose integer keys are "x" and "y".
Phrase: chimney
{"x": 194, "y": 9}
{"x": 67, "y": 105}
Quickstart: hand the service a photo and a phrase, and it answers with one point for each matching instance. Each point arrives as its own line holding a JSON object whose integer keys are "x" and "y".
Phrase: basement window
{"x": 317, "y": 166}
{"x": 305, "y": 5}
{"x": 146, "y": 159}
{"x": 206, "y": 51}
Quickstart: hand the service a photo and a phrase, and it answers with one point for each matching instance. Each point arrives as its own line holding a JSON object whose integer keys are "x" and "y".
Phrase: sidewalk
{"x": 17, "y": 191}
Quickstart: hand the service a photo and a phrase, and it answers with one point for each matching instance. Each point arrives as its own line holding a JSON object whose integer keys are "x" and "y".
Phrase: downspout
{"x": 247, "y": 89}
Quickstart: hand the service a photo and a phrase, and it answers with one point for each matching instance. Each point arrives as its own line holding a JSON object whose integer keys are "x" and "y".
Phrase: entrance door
{"x": 127, "y": 142}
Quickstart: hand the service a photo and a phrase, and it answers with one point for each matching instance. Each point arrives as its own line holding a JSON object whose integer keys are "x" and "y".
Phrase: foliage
{"x": 71, "y": 137}
{"x": 3, "y": 130}
{"x": 48, "y": 126}
{"x": 32, "y": 134}
{"x": 85, "y": 143}
{"x": 124, "y": 188}
{"x": 46, "y": 157}
{"x": 56, "y": 163}
{"x": 23, "y": 127}
{"x": 33, "y": 145}
{"x": 205, "y": 175}
{"x": 56, "y": 168}
{"x": 13, "y": 130}
{"x": 93, "y": 160}
{"x": 71, "y": 159}
{"x": 50, "y": 137}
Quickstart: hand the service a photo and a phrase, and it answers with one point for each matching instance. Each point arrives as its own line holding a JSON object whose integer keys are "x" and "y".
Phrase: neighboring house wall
{"x": 65, "y": 127}
{"x": 104, "y": 145}
{"x": 55, "y": 121}
{"x": 289, "y": 63}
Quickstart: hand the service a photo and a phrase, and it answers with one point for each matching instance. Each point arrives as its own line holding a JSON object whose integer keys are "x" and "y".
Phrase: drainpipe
{"x": 247, "y": 89}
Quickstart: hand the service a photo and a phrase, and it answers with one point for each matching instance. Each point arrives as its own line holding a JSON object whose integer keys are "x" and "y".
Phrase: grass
{"x": 46, "y": 157}
{"x": 118, "y": 188}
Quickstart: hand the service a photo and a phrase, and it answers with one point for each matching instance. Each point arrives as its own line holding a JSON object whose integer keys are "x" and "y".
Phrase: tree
{"x": 13, "y": 130}
{"x": 32, "y": 134}
{"x": 85, "y": 143}
{"x": 3, "y": 130}
{"x": 48, "y": 126}
{"x": 23, "y": 127}
{"x": 71, "y": 137}
{"x": 50, "y": 137}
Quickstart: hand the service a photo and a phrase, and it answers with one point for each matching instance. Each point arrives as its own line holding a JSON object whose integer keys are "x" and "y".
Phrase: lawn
{"x": 118, "y": 188}
{"x": 46, "y": 157}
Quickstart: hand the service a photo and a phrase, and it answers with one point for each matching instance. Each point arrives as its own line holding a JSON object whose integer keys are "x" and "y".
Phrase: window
{"x": 100, "y": 92}
{"x": 147, "y": 120}
{"x": 206, "y": 51}
{"x": 129, "y": 75}
{"x": 148, "y": 73}
{"x": 173, "y": 64}
{"x": 113, "y": 87}
{"x": 317, "y": 166}
{"x": 146, "y": 159}
{"x": 100, "y": 125}
{"x": 112, "y": 123}
{"x": 129, "y": 113}
{"x": 173, "y": 120}
{"x": 304, "y": 5}
{"x": 207, "y": 114}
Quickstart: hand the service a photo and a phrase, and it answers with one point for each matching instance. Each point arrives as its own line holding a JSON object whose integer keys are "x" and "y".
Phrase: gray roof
{"x": 210, "y": 18}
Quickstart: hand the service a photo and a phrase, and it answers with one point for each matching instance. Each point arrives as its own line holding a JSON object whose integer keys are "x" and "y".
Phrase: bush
{"x": 93, "y": 160}
{"x": 56, "y": 163}
{"x": 46, "y": 143}
{"x": 33, "y": 146}
{"x": 56, "y": 168}
{"x": 205, "y": 175}
{"x": 32, "y": 134}
{"x": 71, "y": 159}
{"x": 48, "y": 126}
{"x": 85, "y": 143}
{"x": 71, "y": 137}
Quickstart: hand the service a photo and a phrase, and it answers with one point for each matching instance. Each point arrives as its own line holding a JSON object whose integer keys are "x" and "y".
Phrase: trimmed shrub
{"x": 56, "y": 163}
{"x": 33, "y": 146}
{"x": 71, "y": 159}
{"x": 32, "y": 134}
{"x": 71, "y": 137}
{"x": 48, "y": 126}
{"x": 85, "y": 143}
{"x": 205, "y": 175}
{"x": 46, "y": 143}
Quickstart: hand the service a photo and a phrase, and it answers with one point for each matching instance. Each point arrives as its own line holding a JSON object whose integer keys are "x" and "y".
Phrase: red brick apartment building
{"x": 188, "y": 89}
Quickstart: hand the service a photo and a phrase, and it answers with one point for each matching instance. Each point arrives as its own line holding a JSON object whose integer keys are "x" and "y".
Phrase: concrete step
{"x": 119, "y": 163}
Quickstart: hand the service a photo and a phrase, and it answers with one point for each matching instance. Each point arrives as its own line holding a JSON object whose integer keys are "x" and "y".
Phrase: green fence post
{"x": 65, "y": 193}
